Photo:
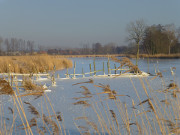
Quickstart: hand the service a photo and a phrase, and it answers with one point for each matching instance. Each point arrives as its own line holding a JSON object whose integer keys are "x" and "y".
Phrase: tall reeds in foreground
{"x": 32, "y": 64}
{"x": 18, "y": 122}
{"x": 157, "y": 112}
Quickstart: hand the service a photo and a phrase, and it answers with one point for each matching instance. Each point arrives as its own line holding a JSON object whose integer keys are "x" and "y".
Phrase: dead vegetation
{"x": 126, "y": 63}
{"x": 5, "y": 88}
{"x": 32, "y": 64}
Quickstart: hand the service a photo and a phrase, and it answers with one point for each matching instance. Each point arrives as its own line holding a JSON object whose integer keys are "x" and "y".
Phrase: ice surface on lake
{"x": 65, "y": 93}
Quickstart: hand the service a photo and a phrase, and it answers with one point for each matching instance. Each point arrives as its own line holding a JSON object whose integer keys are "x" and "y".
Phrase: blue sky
{"x": 71, "y": 23}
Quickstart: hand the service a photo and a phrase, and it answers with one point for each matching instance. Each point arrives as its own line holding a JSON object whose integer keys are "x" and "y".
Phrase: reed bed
{"x": 149, "y": 116}
{"x": 32, "y": 64}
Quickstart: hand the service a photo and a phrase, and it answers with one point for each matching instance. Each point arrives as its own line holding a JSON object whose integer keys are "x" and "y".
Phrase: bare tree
{"x": 30, "y": 46}
{"x": 136, "y": 32}
{"x": 8, "y": 48}
{"x": 170, "y": 31}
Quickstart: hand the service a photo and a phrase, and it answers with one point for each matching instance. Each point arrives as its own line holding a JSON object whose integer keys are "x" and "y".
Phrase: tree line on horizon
{"x": 154, "y": 39}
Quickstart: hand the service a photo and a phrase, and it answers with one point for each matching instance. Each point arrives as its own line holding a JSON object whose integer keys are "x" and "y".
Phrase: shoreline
{"x": 157, "y": 56}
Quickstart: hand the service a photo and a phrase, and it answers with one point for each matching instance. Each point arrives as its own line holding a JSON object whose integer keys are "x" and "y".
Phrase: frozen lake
{"x": 85, "y": 106}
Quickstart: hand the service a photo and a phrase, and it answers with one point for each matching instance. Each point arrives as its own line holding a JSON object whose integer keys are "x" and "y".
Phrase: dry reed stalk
{"x": 80, "y": 118}
{"x": 141, "y": 106}
{"x": 63, "y": 124}
{"x": 14, "y": 118}
{"x": 127, "y": 120}
{"x": 104, "y": 89}
{"x": 78, "y": 128}
{"x": 159, "y": 102}
{"x": 136, "y": 120}
{"x": 22, "y": 109}
{"x": 94, "y": 126}
{"x": 126, "y": 62}
{"x": 20, "y": 114}
{"x": 82, "y": 102}
{"x": 121, "y": 111}
{"x": 90, "y": 81}
{"x": 43, "y": 119}
{"x": 54, "y": 112}
{"x": 100, "y": 119}
{"x": 112, "y": 119}
{"x": 23, "y": 112}
{"x": 32, "y": 109}
{"x": 156, "y": 111}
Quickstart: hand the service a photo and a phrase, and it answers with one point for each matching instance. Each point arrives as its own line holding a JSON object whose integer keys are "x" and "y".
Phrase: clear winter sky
{"x": 76, "y": 22}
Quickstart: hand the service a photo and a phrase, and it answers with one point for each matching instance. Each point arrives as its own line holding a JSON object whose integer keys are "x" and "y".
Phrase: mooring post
{"x": 103, "y": 69}
{"x": 83, "y": 72}
{"x": 115, "y": 69}
{"x": 74, "y": 69}
{"x": 121, "y": 71}
{"x": 90, "y": 69}
{"x": 67, "y": 75}
{"x": 148, "y": 63}
{"x": 53, "y": 80}
{"x": 108, "y": 65}
{"x": 9, "y": 74}
{"x": 58, "y": 76}
{"x": 94, "y": 67}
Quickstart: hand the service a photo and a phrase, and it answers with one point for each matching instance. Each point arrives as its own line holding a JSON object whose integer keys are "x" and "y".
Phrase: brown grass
{"x": 32, "y": 64}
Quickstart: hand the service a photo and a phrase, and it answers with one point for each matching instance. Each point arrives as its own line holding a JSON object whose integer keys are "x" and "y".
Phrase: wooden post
{"x": 53, "y": 80}
{"x": 90, "y": 69}
{"x": 103, "y": 69}
{"x": 67, "y": 75}
{"x": 94, "y": 67}
{"x": 148, "y": 64}
{"x": 9, "y": 74}
{"x": 108, "y": 65}
{"x": 121, "y": 71}
{"x": 57, "y": 75}
{"x": 74, "y": 69}
{"x": 115, "y": 69}
{"x": 83, "y": 72}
